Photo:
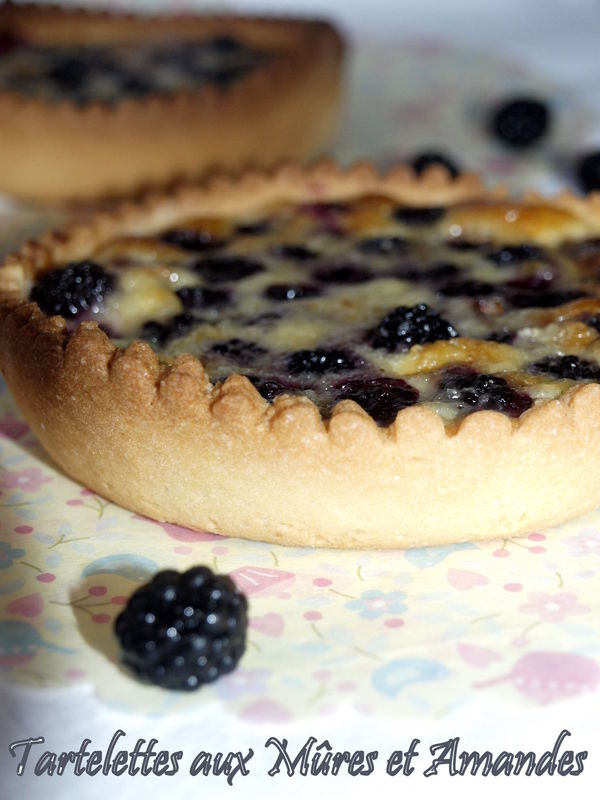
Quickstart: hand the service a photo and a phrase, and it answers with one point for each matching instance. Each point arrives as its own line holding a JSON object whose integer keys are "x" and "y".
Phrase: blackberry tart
{"x": 320, "y": 357}
{"x": 97, "y": 104}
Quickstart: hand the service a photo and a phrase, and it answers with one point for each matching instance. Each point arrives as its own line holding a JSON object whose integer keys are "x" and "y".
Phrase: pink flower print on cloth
{"x": 586, "y": 543}
{"x": 553, "y": 607}
{"x": 30, "y": 479}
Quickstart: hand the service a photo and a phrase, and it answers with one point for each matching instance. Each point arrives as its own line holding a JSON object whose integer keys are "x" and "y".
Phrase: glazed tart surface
{"x": 340, "y": 353}
{"x": 372, "y": 300}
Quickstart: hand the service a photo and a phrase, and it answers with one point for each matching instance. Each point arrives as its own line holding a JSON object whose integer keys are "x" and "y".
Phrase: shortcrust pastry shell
{"x": 158, "y": 438}
{"x": 285, "y": 108}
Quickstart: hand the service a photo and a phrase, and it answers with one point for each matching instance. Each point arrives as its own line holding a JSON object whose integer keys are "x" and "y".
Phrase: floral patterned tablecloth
{"x": 416, "y": 632}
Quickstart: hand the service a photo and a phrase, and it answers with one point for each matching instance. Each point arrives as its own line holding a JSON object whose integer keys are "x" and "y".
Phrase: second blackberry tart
{"x": 97, "y": 104}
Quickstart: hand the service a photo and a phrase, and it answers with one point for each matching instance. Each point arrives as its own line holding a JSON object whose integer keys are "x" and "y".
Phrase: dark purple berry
{"x": 404, "y": 327}
{"x": 79, "y": 286}
{"x": 258, "y": 228}
{"x": 503, "y": 336}
{"x": 462, "y": 244}
{"x": 320, "y": 361}
{"x": 419, "y": 215}
{"x": 419, "y": 273}
{"x": 509, "y": 254}
{"x": 521, "y": 122}
{"x": 222, "y": 269}
{"x": 594, "y": 322}
{"x": 569, "y": 366}
{"x": 477, "y": 392}
{"x": 192, "y": 240}
{"x": 154, "y": 332}
{"x": 466, "y": 288}
{"x": 293, "y": 252}
{"x": 588, "y": 172}
{"x": 270, "y": 388}
{"x": 285, "y": 291}
{"x": 381, "y": 397}
{"x": 441, "y": 271}
{"x": 347, "y": 275}
{"x": 382, "y": 246}
{"x": 183, "y": 630}
{"x": 225, "y": 44}
{"x": 159, "y": 333}
{"x": 429, "y": 158}
{"x": 238, "y": 350}
{"x": 543, "y": 298}
{"x": 201, "y": 297}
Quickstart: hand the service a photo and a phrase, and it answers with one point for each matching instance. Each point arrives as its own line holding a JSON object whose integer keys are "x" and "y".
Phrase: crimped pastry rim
{"x": 181, "y": 386}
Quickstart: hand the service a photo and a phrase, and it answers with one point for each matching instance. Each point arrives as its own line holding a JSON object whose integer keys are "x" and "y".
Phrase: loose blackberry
{"x": 201, "y": 297}
{"x": 77, "y": 287}
{"x": 404, "y": 327}
{"x": 515, "y": 254}
{"x": 429, "y": 158}
{"x": 521, "y": 122}
{"x": 192, "y": 239}
{"x": 183, "y": 629}
{"x": 222, "y": 269}
{"x": 320, "y": 361}
{"x": 382, "y": 246}
{"x": 381, "y": 397}
{"x": 285, "y": 291}
{"x": 480, "y": 392}
{"x": 569, "y": 366}
{"x": 419, "y": 215}
{"x": 588, "y": 172}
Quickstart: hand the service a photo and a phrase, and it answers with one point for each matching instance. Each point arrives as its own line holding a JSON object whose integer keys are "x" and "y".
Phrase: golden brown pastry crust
{"x": 287, "y": 107}
{"x": 159, "y": 439}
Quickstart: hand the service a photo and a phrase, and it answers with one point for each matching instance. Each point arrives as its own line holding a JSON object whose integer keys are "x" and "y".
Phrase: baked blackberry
{"x": 80, "y": 286}
{"x": 521, "y": 122}
{"x": 479, "y": 392}
{"x": 344, "y": 274}
{"x": 221, "y": 269}
{"x": 182, "y": 630}
{"x": 404, "y": 327}
{"x": 382, "y": 246}
{"x": 202, "y": 297}
{"x": 240, "y": 351}
{"x": 293, "y": 252}
{"x": 287, "y": 291}
{"x": 569, "y": 366}
{"x": 381, "y": 397}
{"x": 515, "y": 254}
{"x": 192, "y": 239}
{"x": 320, "y": 361}
{"x": 419, "y": 215}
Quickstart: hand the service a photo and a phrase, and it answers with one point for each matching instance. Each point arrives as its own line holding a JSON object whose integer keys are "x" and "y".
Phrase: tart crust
{"x": 286, "y": 107}
{"x": 158, "y": 438}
